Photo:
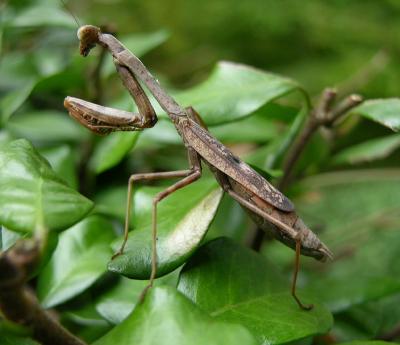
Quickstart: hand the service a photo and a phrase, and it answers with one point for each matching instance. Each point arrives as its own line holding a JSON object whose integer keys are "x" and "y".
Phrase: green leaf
{"x": 369, "y": 320}
{"x": 231, "y": 220}
{"x": 111, "y": 202}
{"x": 359, "y": 212}
{"x": 384, "y": 111}
{"x": 169, "y": 317}
{"x": 234, "y": 91}
{"x": 111, "y": 150}
{"x": 43, "y": 15}
{"x": 81, "y": 315}
{"x": 368, "y": 151}
{"x": 163, "y": 133}
{"x": 79, "y": 260}
{"x": 45, "y": 126}
{"x": 14, "y": 334}
{"x": 234, "y": 284}
{"x": 119, "y": 301}
{"x": 281, "y": 145}
{"x": 32, "y": 196}
{"x": 62, "y": 160}
{"x": 142, "y": 43}
{"x": 10, "y": 103}
{"x": 182, "y": 220}
{"x": 17, "y": 70}
{"x": 272, "y": 155}
{"x": 257, "y": 129}
{"x": 82, "y": 311}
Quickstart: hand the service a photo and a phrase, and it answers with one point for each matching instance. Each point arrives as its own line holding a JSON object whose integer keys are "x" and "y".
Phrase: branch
{"x": 17, "y": 301}
{"x": 323, "y": 115}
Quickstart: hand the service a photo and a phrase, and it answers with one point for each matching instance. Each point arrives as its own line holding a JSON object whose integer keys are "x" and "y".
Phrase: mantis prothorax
{"x": 266, "y": 205}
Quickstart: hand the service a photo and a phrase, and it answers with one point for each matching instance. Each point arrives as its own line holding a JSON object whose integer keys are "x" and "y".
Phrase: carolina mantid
{"x": 268, "y": 207}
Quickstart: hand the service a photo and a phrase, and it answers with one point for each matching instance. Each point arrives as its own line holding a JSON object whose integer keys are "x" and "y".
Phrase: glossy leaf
{"x": 82, "y": 311}
{"x": 117, "y": 303}
{"x": 358, "y": 211}
{"x": 32, "y": 196}
{"x": 120, "y": 300}
{"x": 271, "y": 156}
{"x": 370, "y": 320}
{"x": 81, "y": 315}
{"x": 183, "y": 220}
{"x": 237, "y": 285}
{"x": 384, "y": 111}
{"x": 167, "y": 316}
{"x": 111, "y": 202}
{"x": 111, "y": 150}
{"x": 231, "y": 220}
{"x": 13, "y": 334}
{"x": 17, "y": 71}
{"x": 368, "y": 151}
{"x": 62, "y": 160}
{"x": 47, "y": 126}
{"x": 10, "y": 103}
{"x": 79, "y": 260}
{"x": 163, "y": 133}
{"x": 234, "y": 91}
{"x": 257, "y": 128}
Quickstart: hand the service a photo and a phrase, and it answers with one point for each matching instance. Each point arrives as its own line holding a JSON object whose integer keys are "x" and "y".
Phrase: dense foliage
{"x": 66, "y": 187}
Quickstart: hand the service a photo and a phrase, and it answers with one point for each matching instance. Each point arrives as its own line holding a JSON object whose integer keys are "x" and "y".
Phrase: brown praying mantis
{"x": 267, "y": 206}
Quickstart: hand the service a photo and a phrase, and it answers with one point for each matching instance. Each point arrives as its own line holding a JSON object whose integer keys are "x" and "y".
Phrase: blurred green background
{"x": 349, "y": 44}
{"x": 344, "y": 192}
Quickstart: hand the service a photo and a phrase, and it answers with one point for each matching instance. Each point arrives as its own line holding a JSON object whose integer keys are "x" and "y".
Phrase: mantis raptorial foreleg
{"x": 146, "y": 110}
{"x": 103, "y": 120}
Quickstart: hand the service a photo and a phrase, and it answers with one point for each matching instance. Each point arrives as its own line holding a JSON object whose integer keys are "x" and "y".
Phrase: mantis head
{"x": 88, "y": 36}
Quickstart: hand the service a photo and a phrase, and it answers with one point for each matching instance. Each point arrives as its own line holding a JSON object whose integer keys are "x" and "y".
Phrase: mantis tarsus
{"x": 267, "y": 206}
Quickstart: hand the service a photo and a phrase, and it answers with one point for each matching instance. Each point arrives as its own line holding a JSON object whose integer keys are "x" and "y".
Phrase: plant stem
{"x": 18, "y": 302}
{"x": 323, "y": 115}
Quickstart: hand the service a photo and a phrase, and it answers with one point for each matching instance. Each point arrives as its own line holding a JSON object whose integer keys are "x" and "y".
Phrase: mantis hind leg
{"x": 295, "y": 272}
{"x": 284, "y": 227}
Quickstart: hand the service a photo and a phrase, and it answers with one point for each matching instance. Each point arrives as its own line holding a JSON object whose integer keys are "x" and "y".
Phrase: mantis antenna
{"x": 71, "y": 13}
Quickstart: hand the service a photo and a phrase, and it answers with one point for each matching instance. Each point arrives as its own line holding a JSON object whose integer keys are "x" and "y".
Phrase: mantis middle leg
{"x": 189, "y": 176}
